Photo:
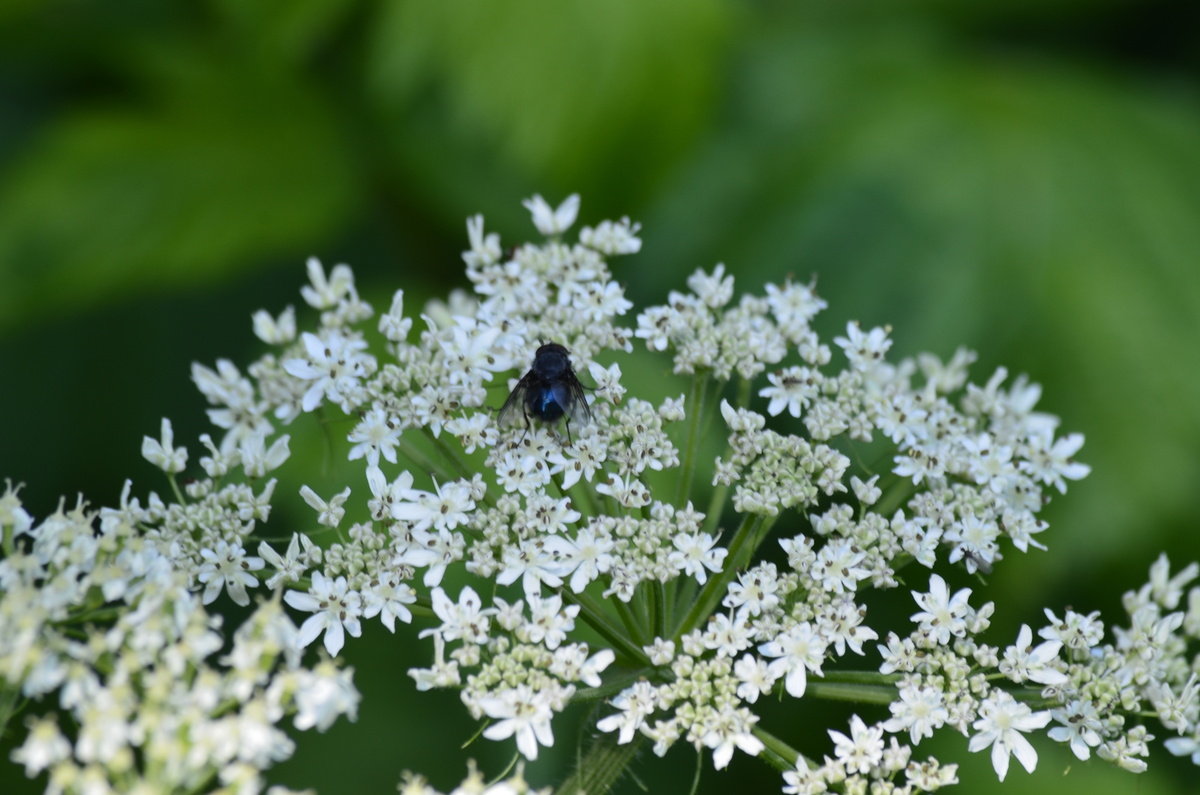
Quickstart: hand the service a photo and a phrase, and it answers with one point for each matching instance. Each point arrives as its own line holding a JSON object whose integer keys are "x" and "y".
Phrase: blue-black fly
{"x": 548, "y": 392}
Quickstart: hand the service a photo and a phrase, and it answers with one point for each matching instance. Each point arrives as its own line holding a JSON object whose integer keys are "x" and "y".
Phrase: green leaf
{"x": 561, "y": 91}
{"x": 1041, "y": 213}
{"x": 115, "y": 201}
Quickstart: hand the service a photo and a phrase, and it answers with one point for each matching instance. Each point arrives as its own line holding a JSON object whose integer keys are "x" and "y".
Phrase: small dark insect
{"x": 547, "y": 392}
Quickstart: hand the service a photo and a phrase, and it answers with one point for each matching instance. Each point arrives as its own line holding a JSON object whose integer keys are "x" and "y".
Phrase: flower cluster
{"x": 106, "y": 612}
{"x": 613, "y": 528}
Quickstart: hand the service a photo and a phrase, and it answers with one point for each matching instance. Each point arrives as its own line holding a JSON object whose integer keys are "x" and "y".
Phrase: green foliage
{"x": 1030, "y": 205}
{"x": 229, "y": 171}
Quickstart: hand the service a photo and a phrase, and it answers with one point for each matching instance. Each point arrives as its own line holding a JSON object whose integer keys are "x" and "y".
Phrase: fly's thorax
{"x": 551, "y": 361}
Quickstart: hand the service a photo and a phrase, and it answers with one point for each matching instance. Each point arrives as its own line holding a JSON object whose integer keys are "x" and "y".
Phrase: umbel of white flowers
{"x": 620, "y": 526}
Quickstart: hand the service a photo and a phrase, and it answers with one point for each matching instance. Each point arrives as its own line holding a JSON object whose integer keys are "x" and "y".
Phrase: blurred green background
{"x": 1019, "y": 177}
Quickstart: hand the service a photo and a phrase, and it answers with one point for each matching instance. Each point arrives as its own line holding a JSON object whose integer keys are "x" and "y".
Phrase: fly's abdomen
{"x": 546, "y": 404}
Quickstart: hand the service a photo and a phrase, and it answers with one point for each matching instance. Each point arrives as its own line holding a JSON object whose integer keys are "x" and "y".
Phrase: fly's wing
{"x": 512, "y": 413}
{"x": 576, "y": 406}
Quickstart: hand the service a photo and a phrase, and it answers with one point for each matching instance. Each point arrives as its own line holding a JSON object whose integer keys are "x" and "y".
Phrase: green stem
{"x": 760, "y": 535}
{"x": 175, "y": 489}
{"x": 716, "y": 504}
{"x": 602, "y": 766}
{"x": 695, "y": 409}
{"x": 896, "y": 491}
{"x": 861, "y": 687}
{"x": 9, "y": 697}
{"x": 778, "y": 754}
{"x": 743, "y": 393}
{"x": 609, "y": 689}
{"x": 633, "y": 624}
{"x": 421, "y": 461}
{"x": 657, "y": 594}
{"x": 862, "y": 677}
{"x": 325, "y": 425}
{"x": 598, "y": 619}
{"x": 848, "y": 691}
{"x": 712, "y": 591}
{"x": 464, "y": 471}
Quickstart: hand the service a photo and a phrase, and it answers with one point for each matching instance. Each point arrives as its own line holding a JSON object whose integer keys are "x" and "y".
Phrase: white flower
{"x": 731, "y": 730}
{"x": 1052, "y": 463}
{"x": 14, "y": 515}
{"x": 385, "y": 495}
{"x": 335, "y": 610}
{"x": 291, "y": 566}
{"x": 1023, "y": 661}
{"x": 388, "y": 599}
{"x": 1079, "y": 726}
{"x": 522, "y": 712}
{"x": 393, "y": 324}
{"x": 635, "y": 703}
{"x": 336, "y": 365}
{"x": 612, "y": 238}
{"x": 867, "y": 492}
{"x": 715, "y": 290}
{"x": 590, "y": 555}
{"x": 661, "y": 651}
{"x": 165, "y": 455}
{"x": 441, "y": 674}
{"x": 755, "y": 677}
{"x": 553, "y": 222}
{"x": 631, "y": 493}
{"x": 989, "y": 464}
{"x": 572, "y": 663}
{"x": 44, "y": 747}
{"x": 329, "y": 513}
{"x": 326, "y": 293}
{"x": 275, "y": 331}
{"x": 258, "y": 459}
{"x": 238, "y": 409}
{"x": 485, "y": 249}
{"x": 974, "y": 540}
{"x": 1076, "y": 631}
{"x": 1163, "y": 589}
{"x": 466, "y": 618}
{"x": 944, "y": 615}
{"x": 472, "y": 351}
{"x": 473, "y": 432}
{"x": 1001, "y": 720}
{"x": 950, "y": 376}
{"x": 549, "y": 622}
{"x": 861, "y": 751}
{"x": 227, "y": 567}
{"x": 755, "y": 591}
{"x": 447, "y": 507}
{"x": 323, "y": 694}
{"x": 656, "y": 326}
{"x": 792, "y": 388}
{"x": 837, "y": 566}
{"x": 597, "y": 303}
{"x": 1176, "y": 710}
{"x": 377, "y": 434}
{"x": 919, "y": 711}
{"x": 694, "y": 553}
{"x": 533, "y": 564}
{"x": 1178, "y": 746}
{"x": 865, "y": 351}
{"x": 797, "y": 651}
